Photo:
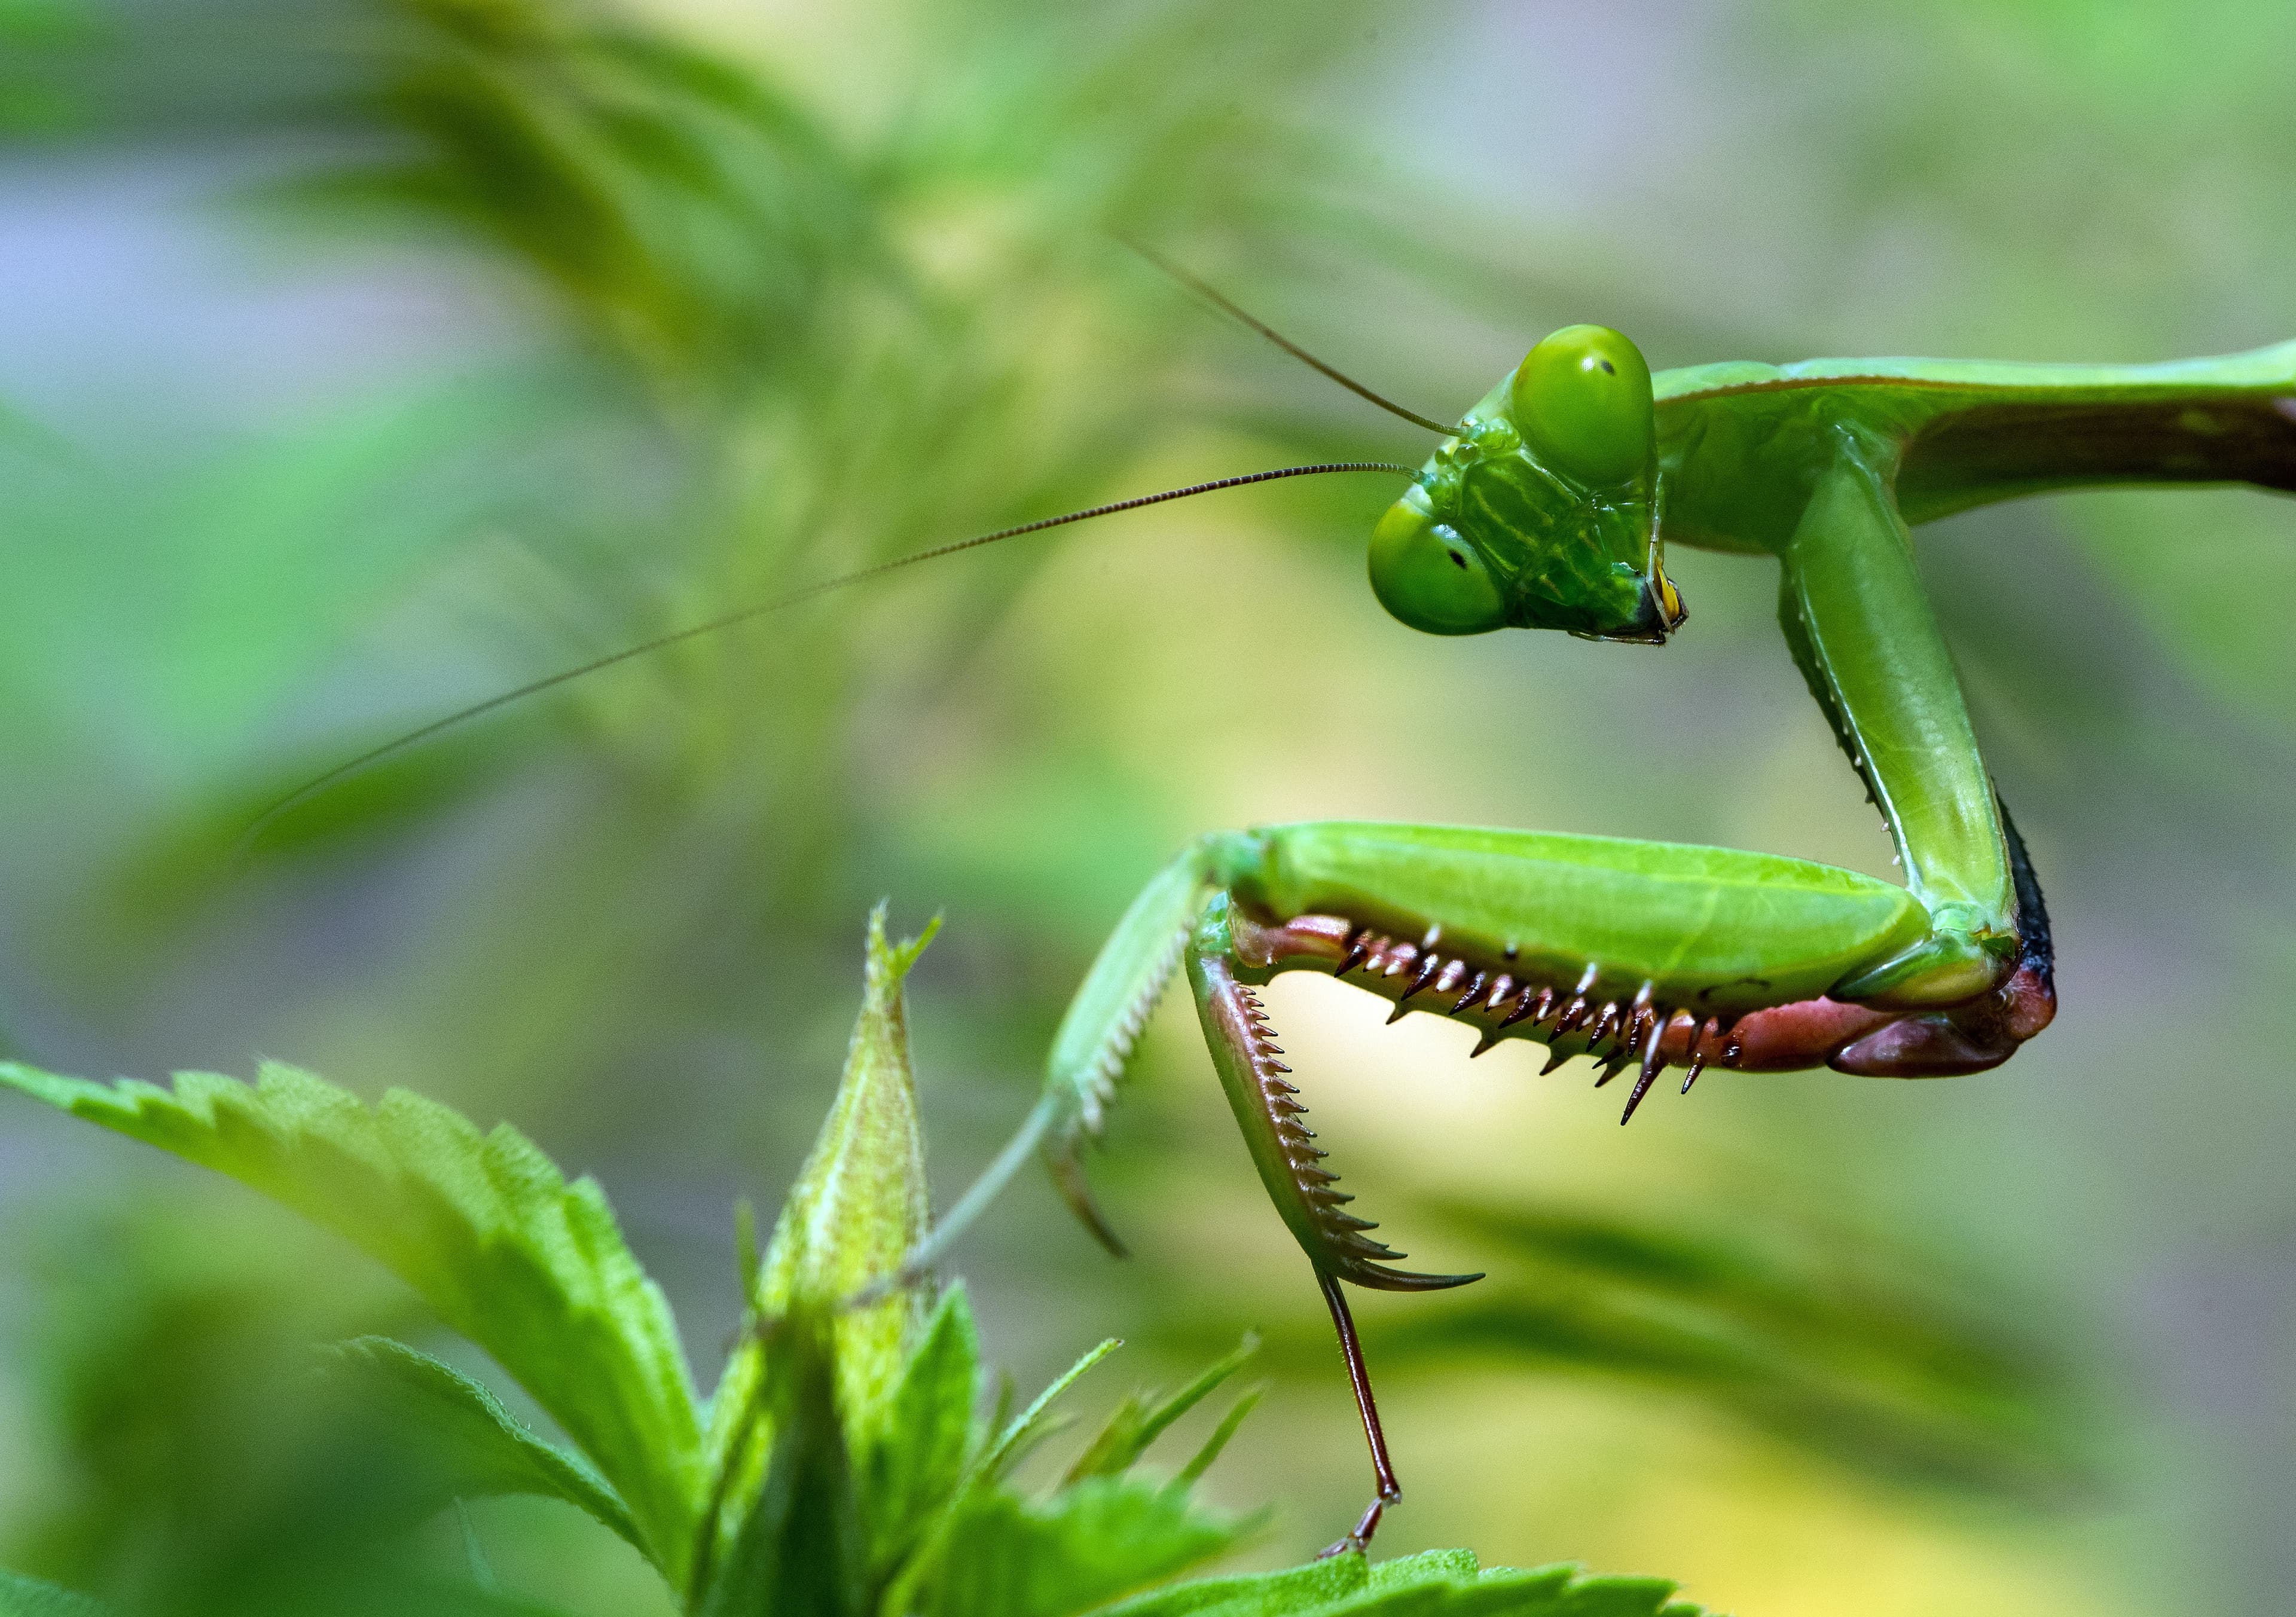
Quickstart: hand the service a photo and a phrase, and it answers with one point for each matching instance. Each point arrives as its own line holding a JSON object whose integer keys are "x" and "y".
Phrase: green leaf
{"x": 918, "y": 1462}
{"x": 482, "y": 1227}
{"x": 982, "y": 1493}
{"x": 1314, "y": 1586}
{"x": 1439, "y": 1583}
{"x": 1034, "y": 1423}
{"x": 1429, "y": 1566}
{"x": 1139, "y": 1420}
{"x": 1006, "y": 1557}
{"x": 1189, "y": 1474}
{"x": 461, "y": 1435}
{"x": 800, "y": 1548}
{"x": 22, "y": 1596}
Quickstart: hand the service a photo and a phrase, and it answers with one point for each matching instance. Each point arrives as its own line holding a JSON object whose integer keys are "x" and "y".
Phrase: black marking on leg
{"x": 2037, "y": 949}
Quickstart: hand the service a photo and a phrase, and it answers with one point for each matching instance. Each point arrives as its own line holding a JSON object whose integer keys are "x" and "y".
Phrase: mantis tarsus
{"x": 1549, "y": 506}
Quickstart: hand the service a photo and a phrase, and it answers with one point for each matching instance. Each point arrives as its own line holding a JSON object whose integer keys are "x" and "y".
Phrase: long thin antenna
{"x": 476, "y": 710}
{"x": 1220, "y": 301}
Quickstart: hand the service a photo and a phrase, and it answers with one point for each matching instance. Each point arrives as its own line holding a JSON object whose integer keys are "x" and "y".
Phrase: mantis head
{"x": 1538, "y": 512}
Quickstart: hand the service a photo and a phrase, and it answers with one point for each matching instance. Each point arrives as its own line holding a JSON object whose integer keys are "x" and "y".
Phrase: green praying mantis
{"x": 1550, "y": 505}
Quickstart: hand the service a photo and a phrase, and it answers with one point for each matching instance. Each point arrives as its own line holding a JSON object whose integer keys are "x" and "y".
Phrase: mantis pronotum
{"x": 1549, "y": 504}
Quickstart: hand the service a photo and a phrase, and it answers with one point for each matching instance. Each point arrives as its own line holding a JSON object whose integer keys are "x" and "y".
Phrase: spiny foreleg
{"x": 1269, "y": 1112}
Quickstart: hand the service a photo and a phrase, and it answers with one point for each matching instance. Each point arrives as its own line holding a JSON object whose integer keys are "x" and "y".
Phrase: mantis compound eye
{"x": 1428, "y": 577}
{"x": 1582, "y": 401}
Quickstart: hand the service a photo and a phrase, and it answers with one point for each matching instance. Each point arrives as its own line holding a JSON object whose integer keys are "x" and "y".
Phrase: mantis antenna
{"x": 477, "y": 710}
{"x": 1220, "y": 301}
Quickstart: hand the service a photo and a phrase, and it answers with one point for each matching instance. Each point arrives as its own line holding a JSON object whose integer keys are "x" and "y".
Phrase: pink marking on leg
{"x": 1805, "y": 1033}
{"x": 1314, "y": 937}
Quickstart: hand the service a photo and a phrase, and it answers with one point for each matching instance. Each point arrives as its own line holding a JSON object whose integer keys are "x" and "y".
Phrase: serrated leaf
{"x": 1437, "y": 1583}
{"x": 1140, "y": 1419}
{"x": 1005, "y": 1557}
{"x": 22, "y": 1596}
{"x": 483, "y": 1227}
{"x": 1314, "y": 1586}
{"x": 459, "y": 1432}
{"x": 918, "y": 1462}
{"x": 799, "y": 1549}
{"x": 1437, "y": 1567}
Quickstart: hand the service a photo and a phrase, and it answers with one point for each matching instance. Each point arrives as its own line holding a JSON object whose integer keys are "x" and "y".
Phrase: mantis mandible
{"x": 1549, "y": 506}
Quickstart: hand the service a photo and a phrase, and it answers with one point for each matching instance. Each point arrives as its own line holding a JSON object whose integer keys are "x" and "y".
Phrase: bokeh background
{"x": 360, "y": 358}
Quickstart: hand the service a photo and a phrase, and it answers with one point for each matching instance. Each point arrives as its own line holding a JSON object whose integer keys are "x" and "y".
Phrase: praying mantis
{"x": 1549, "y": 506}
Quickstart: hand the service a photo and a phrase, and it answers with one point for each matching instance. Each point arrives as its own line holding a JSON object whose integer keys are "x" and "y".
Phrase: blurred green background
{"x": 359, "y": 358}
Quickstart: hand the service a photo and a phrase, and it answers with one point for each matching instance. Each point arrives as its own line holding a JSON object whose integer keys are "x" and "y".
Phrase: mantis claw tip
{"x": 1068, "y": 1177}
